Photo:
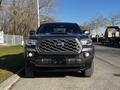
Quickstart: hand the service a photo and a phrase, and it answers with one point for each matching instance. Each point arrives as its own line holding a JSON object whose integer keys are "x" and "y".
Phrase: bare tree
{"x": 21, "y": 15}
{"x": 113, "y": 19}
{"x": 95, "y": 23}
{"x": 88, "y": 26}
{"x": 98, "y": 21}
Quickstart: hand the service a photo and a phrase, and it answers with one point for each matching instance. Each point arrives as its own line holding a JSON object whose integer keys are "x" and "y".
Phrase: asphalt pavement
{"x": 106, "y": 75}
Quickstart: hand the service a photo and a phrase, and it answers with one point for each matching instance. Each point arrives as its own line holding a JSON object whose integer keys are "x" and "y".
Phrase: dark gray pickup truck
{"x": 59, "y": 47}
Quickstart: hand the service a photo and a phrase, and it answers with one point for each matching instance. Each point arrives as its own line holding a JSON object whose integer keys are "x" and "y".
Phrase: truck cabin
{"x": 112, "y": 31}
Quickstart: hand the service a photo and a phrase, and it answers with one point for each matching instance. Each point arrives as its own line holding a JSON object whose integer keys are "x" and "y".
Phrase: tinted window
{"x": 59, "y": 28}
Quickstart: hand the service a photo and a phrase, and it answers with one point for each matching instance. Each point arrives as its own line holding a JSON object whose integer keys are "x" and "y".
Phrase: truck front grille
{"x": 59, "y": 46}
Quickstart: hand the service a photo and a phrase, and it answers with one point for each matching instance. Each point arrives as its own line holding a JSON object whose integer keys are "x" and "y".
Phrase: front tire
{"x": 29, "y": 73}
{"x": 88, "y": 72}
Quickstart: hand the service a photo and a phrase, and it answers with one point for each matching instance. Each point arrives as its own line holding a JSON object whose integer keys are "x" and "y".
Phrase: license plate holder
{"x": 59, "y": 61}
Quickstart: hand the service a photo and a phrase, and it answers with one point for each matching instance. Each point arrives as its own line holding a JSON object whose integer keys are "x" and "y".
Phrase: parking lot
{"x": 106, "y": 75}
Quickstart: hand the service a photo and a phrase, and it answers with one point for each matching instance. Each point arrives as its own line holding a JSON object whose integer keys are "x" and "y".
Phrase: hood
{"x": 46, "y": 36}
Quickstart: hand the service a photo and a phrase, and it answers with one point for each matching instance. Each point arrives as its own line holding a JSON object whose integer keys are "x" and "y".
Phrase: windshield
{"x": 59, "y": 28}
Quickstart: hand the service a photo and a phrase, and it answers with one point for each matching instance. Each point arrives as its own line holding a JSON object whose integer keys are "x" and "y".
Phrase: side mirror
{"x": 32, "y": 32}
{"x": 87, "y": 32}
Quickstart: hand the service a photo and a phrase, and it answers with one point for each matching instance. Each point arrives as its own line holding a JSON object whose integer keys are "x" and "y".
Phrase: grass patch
{"x": 11, "y": 60}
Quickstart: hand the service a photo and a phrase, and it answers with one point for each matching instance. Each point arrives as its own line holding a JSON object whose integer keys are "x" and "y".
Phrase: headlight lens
{"x": 86, "y": 42}
{"x": 31, "y": 42}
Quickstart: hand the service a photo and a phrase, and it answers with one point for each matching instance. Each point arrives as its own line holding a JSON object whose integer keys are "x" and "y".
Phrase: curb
{"x": 10, "y": 81}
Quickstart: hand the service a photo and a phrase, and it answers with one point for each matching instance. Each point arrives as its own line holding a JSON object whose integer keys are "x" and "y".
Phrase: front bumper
{"x": 60, "y": 61}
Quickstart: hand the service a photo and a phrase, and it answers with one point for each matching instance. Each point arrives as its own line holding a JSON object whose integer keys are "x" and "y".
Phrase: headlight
{"x": 86, "y": 42}
{"x": 31, "y": 42}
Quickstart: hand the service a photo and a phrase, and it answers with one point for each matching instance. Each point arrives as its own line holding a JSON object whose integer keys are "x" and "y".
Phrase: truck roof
{"x": 59, "y": 23}
{"x": 116, "y": 27}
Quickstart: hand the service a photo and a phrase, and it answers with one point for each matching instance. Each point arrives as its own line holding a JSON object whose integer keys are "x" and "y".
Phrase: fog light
{"x": 87, "y": 54}
{"x": 30, "y": 54}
